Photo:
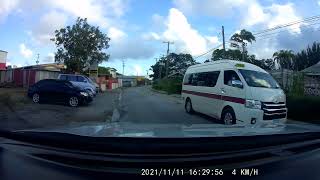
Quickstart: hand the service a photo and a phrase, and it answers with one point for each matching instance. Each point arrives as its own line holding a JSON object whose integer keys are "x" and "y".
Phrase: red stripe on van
{"x": 215, "y": 96}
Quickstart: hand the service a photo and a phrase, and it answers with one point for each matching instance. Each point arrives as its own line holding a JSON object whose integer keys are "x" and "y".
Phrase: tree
{"x": 104, "y": 70}
{"x": 243, "y": 37}
{"x": 284, "y": 58}
{"x": 80, "y": 45}
{"x": 308, "y": 57}
{"x": 220, "y": 54}
{"x": 178, "y": 63}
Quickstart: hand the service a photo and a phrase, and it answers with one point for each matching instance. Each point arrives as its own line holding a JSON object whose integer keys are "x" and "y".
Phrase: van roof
{"x": 231, "y": 64}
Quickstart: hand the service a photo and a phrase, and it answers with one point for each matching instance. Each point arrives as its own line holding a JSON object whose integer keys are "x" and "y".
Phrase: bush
{"x": 304, "y": 108}
{"x": 171, "y": 85}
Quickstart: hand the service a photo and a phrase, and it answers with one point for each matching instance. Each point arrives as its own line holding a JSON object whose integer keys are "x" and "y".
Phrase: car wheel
{"x": 188, "y": 106}
{"x": 73, "y": 101}
{"x": 228, "y": 117}
{"x": 36, "y": 98}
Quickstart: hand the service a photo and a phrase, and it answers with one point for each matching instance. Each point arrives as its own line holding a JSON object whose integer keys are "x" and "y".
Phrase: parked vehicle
{"x": 97, "y": 88}
{"x": 80, "y": 81}
{"x": 58, "y": 91}
{"x": 235, "y": 92}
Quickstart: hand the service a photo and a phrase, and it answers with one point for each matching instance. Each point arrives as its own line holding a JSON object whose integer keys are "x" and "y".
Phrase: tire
{"x": 188, "y": 106}
{"x": 73, "y": 101}
{"x": 35, "y": 98}
{"x": 228, "y": 116}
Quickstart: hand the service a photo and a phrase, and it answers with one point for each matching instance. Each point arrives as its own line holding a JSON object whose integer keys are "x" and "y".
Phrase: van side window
{"x": 229, "y": 76}
{"x": 187, "y": 79}
{"x": 194, "y": 81}
{"x": 212, "y": 78}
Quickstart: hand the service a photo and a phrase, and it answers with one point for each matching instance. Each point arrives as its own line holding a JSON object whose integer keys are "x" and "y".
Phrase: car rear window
{"x": 80, "y": 79}
{"x": 63, "y": 77}
{"x": 72, "y": 78}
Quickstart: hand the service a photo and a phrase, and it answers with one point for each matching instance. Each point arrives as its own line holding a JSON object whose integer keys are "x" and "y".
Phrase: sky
{"x": 137, "y": 28}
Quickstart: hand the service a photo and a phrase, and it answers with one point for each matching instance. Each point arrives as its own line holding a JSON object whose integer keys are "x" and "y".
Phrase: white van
{"x": 235, "y": 92}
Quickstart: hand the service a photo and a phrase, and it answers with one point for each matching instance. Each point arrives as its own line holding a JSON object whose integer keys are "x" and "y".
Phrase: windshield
{"x": 258, "y": 79}
{"x": 160, "y": 68}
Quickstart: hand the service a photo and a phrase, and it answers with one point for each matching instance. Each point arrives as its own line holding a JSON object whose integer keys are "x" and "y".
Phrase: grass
{"x": 304, "y": 108}
{"x": 171, "y": 86}
{"x": 12, "y": 97}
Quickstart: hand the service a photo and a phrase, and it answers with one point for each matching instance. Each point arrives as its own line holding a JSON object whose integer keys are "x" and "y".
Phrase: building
{"x": 28, "y": 75}
{"x": 312, "y": 80}
{"x": 3, "y": 59}
{"x": 129, "y": 81}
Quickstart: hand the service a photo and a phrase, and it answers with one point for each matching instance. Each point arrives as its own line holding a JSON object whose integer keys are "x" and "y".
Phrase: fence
{"x": 297, "y": 83}
{"x": 25, "y": 77}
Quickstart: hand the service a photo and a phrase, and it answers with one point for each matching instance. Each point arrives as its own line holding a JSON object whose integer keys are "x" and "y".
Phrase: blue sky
{"x": 138, "y": 27}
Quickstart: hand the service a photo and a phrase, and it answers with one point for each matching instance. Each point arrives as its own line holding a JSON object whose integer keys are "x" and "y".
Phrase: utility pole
{"x": 123, "y": 64}
{"x": 37, "y": 61}
{"x": 223, "y": 41}
{"x": 243, "y": 49}
{"x": 167, "y": 58}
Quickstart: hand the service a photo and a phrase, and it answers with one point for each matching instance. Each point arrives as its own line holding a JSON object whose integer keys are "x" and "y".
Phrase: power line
{"x": 208, "y": 51}
{"x": 274, "y": 36}
{"x": 313, "y": 18}
{"x": 302, "y": 27}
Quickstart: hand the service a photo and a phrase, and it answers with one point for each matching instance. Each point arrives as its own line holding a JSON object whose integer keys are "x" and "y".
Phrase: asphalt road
{"x": 141, "y": 105}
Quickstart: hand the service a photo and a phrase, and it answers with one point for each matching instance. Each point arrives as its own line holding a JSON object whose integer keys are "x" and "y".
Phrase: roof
{"x": 47, "y": 67}
{"x": 314, "y": 70}
{"x": 229, "y": 64}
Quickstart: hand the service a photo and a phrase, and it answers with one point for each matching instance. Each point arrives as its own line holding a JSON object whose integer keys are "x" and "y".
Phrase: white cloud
{"x": 116, "y": 34}
{"x": 151, "y": 36}
{"x": 25, "y": 52}
{"x": 49, "y": 58}
{"x": 137, "y": 70}
{"x": 219, "y": 8}
{"x": 99, "y": 12}
{"x": 48, "y": 23}
{"x": 254, "y": 14}
{"x": 186, "y": 39}
{"x": 6, "y": 7}
{"x": 282, "y": 14}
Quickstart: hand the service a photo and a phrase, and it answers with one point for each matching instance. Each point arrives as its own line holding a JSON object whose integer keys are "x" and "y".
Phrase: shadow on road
{"x": 209, "y": 118}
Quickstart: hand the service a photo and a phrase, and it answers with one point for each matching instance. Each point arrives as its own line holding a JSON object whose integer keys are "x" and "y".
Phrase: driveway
{"x": 29, "y": 115}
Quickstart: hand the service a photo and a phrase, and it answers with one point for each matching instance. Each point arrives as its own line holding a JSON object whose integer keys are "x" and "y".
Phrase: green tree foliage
{"x": 103, "y": 70}
{"x": 220, "y": 54}
{"x": 178, "y": 63}
{"x": 243, "y": 37}
{"x": 80, "y": 44}
{"x": 308, "y": 57}
{"x": 284, "y": 58}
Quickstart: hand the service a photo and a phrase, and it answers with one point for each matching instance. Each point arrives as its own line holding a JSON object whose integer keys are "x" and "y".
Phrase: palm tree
{"x": 243, "y": 37}
{"x": 284, "y": 58}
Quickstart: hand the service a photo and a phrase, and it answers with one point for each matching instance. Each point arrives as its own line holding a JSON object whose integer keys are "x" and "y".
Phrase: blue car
{"x": 58, "y": 91}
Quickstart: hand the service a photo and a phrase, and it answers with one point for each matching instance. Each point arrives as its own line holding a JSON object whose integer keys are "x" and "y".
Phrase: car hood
{"x": 266, "y": 94}
{"x": 176, "y": 130}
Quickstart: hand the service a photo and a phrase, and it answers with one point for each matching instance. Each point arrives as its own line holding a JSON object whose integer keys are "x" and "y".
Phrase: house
{"x": 312, "y": 80}
{"x": 28, "y": 75}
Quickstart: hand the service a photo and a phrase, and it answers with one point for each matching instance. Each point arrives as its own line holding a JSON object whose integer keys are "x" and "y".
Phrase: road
{"x": 141, "y": 105}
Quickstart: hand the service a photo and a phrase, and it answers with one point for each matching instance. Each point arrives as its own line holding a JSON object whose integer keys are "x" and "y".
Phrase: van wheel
{"x": 228, "y": 117}
{"x": 188, "y": 106}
